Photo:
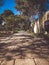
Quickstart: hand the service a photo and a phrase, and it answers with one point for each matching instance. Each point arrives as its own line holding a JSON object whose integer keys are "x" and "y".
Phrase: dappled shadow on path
{"x": 27, "y": 47}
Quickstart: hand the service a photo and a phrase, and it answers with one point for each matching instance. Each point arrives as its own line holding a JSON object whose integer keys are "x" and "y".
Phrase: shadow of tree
{"x": 28, "y": 47}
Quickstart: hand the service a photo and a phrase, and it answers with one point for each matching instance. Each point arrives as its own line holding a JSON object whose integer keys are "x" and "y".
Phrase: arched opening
{"x": 46, "y": 25}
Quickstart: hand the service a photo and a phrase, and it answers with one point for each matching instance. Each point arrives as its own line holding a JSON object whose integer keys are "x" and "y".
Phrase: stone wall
{"x": 38, "y": 26}
{"x": 45, "y": 17}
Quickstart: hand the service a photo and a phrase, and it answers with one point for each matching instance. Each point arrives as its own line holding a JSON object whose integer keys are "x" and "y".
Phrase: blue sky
{"x": 9, "y": 5}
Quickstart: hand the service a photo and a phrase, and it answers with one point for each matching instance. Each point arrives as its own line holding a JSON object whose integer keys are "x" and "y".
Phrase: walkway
{"x": 23, "y": 49}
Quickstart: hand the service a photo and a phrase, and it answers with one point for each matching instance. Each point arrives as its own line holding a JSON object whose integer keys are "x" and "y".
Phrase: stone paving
{"x": 24, "y": 49}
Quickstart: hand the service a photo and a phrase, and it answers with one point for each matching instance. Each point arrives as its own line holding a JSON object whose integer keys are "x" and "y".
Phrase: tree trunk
{"x": 37, "y": 27}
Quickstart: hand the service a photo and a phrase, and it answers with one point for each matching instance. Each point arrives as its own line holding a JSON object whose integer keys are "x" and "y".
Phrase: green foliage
{"x": 29, "y": 31}
{"x": 29, "y": 7}
{"x": 13, "y": 22}
{"x": 7, "y": 13}
{"x": 16, "y": 31}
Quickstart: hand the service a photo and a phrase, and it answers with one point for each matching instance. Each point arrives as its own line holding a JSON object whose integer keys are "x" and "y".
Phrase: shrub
{"x": 16, "y": 31}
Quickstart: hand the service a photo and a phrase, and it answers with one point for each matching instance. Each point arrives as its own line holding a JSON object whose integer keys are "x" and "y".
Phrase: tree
{"x": 21, "y": 22}
{"x": 10, "y": 22}
{"x": 1, "y": 22}
{"x": 1, "y": 19}
{"x": 8, "y": 16}
{"x": 7, "y": 13}
{"x": 30, "y": 7}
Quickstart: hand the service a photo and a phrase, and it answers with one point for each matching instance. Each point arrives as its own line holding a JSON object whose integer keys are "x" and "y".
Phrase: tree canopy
{"x": 7, "y": 13}
{"x": 30, "y": 7}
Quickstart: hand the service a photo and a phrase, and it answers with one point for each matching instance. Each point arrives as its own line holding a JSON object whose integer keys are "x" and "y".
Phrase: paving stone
{"x": 29, "y": 62}
{"x": 0, "y": 62}
{"x": 24, "y": 62}
{"x": 11, "y": 62}
{"x": 3, "y": 62}
{"x": 19, "y": 62}
{"x": 41, "y": 61}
